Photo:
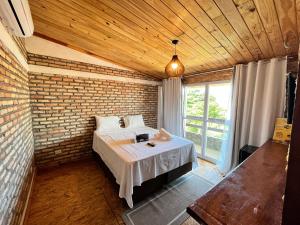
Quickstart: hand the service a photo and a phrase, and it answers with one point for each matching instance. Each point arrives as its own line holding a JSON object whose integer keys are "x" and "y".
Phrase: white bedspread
{"x": 133, "y": 163}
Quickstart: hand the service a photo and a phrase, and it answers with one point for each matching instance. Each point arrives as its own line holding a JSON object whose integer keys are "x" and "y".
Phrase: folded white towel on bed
{"x": 163, "y": 135}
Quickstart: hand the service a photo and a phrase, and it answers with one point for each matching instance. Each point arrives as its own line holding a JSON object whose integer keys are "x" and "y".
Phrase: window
{"x": 205, "y": 111}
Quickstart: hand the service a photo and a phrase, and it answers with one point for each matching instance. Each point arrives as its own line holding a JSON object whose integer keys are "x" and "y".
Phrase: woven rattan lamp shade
{"x": 174, "y": 68}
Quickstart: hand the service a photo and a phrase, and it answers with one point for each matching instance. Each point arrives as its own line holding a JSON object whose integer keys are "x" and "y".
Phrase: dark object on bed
{"x": 151, "y": 144}
{"x": 149, "y": 186}
{"x": 142, "y": 137}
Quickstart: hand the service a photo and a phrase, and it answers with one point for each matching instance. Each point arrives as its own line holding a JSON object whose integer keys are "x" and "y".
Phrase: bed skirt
{"x": 150, "y": 186}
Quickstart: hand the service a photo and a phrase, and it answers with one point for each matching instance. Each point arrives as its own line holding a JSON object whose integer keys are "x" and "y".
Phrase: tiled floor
{"x": 211, "y": 173}
{"x": 80, "y": 193}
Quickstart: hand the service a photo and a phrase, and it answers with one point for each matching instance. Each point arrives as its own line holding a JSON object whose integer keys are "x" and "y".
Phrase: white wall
{"x": 41, "y": 46}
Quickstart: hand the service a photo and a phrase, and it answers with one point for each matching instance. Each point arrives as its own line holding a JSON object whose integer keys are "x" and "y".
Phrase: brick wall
{"x": 63, "y": 108}
{"x": 42, "y": 60}
{"x": 16, "y": 139}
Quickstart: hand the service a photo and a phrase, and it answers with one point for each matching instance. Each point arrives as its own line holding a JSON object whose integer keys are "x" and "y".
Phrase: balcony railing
{"x": 209, "y": 121}
{"x": 214, "y": 138}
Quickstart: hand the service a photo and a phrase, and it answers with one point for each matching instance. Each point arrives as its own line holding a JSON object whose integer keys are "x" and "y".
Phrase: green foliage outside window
{"x": 195, "y": 107}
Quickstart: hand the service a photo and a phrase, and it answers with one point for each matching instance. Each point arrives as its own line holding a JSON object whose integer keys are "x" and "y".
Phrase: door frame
{"x": 205, "y": 119}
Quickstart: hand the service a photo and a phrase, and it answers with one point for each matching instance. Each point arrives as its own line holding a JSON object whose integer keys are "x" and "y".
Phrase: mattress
{"x": 133, "y": 163}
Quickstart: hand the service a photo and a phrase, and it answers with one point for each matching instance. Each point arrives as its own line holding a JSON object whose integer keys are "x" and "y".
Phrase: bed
{"x": 133, "y": 164}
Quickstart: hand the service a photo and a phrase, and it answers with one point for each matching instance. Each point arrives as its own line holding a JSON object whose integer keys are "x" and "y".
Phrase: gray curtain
{"x": 172, "y": 105}
{"x": 257, "y": 100}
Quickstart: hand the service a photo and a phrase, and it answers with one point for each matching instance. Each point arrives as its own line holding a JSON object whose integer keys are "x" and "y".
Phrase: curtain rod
{"x": 212, "y": 71}
{"x": 231, "y": 68}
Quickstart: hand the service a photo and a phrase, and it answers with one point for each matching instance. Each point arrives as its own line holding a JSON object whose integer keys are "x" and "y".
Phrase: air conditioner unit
{"x": 17, "y": 16}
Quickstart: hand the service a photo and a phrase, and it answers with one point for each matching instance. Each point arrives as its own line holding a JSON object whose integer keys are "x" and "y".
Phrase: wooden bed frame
{"x": 150, "y": 186}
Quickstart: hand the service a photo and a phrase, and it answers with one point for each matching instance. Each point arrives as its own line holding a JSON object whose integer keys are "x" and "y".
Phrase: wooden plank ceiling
{"x": 213, "y": 34}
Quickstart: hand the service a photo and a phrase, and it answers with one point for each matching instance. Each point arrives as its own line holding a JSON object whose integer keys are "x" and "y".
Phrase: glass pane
{"x": 193, "y": 132}
{"x": 194, "y": 111}
{"x": 218, "y": 108}
{"x": 194, "y": 101}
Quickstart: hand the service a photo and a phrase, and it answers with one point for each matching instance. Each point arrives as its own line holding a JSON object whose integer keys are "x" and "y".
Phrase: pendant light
{"x": 174, "y": 68}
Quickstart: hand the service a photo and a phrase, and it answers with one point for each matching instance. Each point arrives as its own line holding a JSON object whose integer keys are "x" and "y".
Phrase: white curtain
{"x": 160, "y": 108}
{"x": 172, "y": 105}
{"x": 257, "y": 100}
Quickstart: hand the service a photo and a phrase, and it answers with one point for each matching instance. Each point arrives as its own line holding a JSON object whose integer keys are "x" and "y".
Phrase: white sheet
{"x": 133, "y": 163}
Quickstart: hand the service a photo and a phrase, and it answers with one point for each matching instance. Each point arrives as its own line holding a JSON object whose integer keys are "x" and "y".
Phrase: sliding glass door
{"x": 206, "y": 107}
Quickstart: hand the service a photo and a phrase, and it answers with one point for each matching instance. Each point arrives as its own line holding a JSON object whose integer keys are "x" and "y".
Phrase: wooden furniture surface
{"x": 251, "y": 194}
{"x": 291, "y": 206}
{"x": 137, "y": 33}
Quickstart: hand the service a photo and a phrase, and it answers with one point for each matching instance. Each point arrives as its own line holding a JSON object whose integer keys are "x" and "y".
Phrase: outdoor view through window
{"x": 206, "y": 112}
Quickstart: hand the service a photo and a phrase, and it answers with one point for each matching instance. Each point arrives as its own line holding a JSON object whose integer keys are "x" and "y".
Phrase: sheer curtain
{"x": 172, "y": 105}
{"x": 257, "y": 99}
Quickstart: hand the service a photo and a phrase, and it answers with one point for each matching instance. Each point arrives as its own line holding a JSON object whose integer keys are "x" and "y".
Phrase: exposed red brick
{"x": 63, "y": 108}
{"x": 86, "y": 67}
{"x": 16, "y": 139}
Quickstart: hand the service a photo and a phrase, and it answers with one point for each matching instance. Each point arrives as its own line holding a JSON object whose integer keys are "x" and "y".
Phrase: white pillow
{"x": 108, "y": 122}
{"x": 134, "y": 121}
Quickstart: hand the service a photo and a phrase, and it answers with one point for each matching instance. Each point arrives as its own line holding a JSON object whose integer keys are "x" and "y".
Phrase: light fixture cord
{"x": 175, "y": 49}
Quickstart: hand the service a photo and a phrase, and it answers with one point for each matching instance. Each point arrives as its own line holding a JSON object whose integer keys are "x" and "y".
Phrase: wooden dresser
{"x": 251, "y": 194}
